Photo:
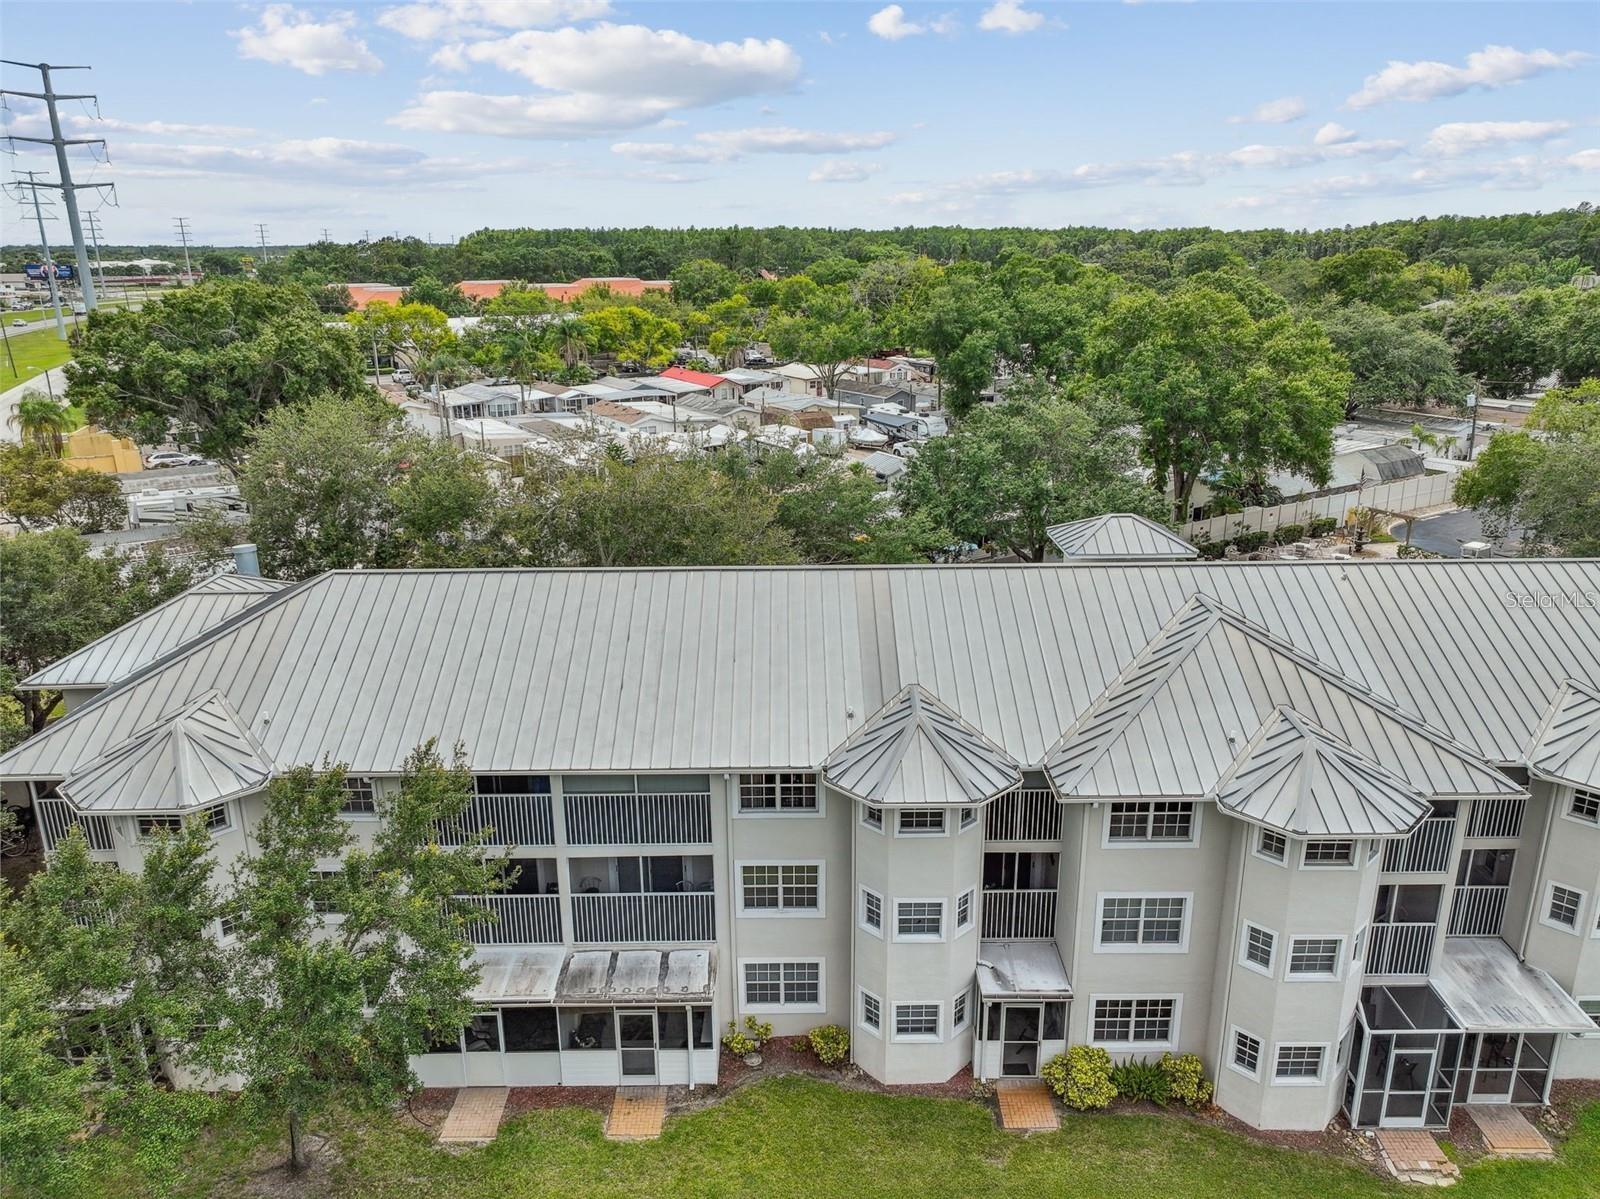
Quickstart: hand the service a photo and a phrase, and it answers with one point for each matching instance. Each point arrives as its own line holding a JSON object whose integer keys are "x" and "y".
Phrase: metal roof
{"x": 602, "y": 976}
{"x": 772, "y": 668}
{"x": 526, "y": 975}
{"x": 1175, "y": 720}
{"x": 1488, "y": 990}
{"x": 1567, "y": 744}
{"x": 1021, "y": 970}
{"x": 1301, "y": 780}
{"x": 1119, "y": 536}
{"x": 145, "y": 638}
{"x": 188, "y": 759}
{"x": 915, "y": 750}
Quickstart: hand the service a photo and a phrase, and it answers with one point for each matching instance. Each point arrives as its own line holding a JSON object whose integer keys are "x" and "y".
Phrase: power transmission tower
{"x": 325, "y": 236}
{"x": 94, "y": 237}
{"x": 44, "y": 247}
{"x": 69, "y": 190}
{"x": 261, "y": 234}
{"x": 182, "y": 223}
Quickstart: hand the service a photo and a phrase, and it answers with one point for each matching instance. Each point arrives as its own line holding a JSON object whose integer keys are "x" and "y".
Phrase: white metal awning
{"x": 1021, "y": 970}
{"x": 651, "y": 976}
{"x": 522, "y": 975}
{"x": 1489, "y": 990}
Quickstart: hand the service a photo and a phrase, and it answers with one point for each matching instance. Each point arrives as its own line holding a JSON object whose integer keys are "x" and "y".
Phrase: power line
{"x": 44, "y": 246}
{"x": 68, "y": 189}
{"x": 182, "y": 225}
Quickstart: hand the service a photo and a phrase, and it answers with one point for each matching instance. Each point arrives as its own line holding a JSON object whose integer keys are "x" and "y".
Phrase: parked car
{"x": 19, "y": 322}
{"x": 163, "y": 458}
{"x": 402, "y": 377}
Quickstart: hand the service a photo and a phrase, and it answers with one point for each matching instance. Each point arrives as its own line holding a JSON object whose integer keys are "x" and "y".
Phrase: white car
{"x": 162, "y": 458}
{"x": 19, "y": 323}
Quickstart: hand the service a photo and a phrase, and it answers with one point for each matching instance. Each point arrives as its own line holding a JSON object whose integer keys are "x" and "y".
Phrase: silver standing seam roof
{"x": 145, "y": 638}
{"x": 1567, "y": 745}
{"x": 1488, "y": 990}
{"x": 1119, "y": 536}
{"x": 614, "y": 671}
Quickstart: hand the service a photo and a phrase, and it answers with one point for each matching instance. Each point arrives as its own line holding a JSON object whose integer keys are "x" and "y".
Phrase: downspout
{"x": 733, "y": 887}
{"x": 1232, "y": 950}
{"x": 855, "y": 893}
{"x": 1533, "y": 883}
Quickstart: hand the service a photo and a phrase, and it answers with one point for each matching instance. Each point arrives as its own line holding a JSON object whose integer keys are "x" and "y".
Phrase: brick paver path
{"x": 1411, "y": 1148}
{"x": 1025, "y": 1105}
{"x": 636, "y": 1114}
{"x": 1506, "y": 1130}
{"x": 475, "y": 1115}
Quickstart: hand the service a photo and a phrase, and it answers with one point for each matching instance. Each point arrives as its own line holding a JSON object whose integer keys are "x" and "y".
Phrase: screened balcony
{"x": 1427, "y": 850}
{"x": 1026, "y": 814}
{"x": 514, "y": 808}
{"x": 1019, "y": 895}
{"x": 1405, "y": 922}
{"x": 56, "y": 817}
{"x": 625, "y": 809}
{"x": 1483, "y": 881}
{"x": 635, "y": 899}
{"x": 526, "y": 912}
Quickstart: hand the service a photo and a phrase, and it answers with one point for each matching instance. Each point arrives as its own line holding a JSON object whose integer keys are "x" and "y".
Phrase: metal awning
{"x": 1488, "y": 990}
{"x": 520, "y": 975}
{"x": 602, "y": 976}
{"x": 1021, "y": 970}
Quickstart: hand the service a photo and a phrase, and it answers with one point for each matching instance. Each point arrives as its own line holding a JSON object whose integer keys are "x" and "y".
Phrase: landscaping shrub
{"x": 1248, "y": 543}
{"x": 1321, "y": 526}
{"x": 831, "y": 1044}
{"x": 1142, "y": 1079}
{"x": 755, "y": 1034}
{"x": 1289, "y": 534}
{"x": 1081, "y": 1077}
{"x": 1212, "y": 550}
{"x": 1416, "y": 551}
{"x": 1185, "y": 1079}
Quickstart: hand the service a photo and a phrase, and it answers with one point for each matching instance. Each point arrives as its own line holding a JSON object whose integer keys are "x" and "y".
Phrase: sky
{"x": 435, "y": 118}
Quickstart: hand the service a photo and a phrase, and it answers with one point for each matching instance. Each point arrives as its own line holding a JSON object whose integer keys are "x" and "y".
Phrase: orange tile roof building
{"x": 362, "y": 294}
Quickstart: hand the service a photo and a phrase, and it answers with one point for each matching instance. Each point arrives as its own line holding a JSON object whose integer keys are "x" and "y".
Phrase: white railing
{"x": 1017, "y": 915}
{"x": 1025, "y": 815}
{"x": 1403, "y": 495}
{"x": 1478, "y": 911}
{"x": 1425, "y": 851}
{"x": 626, "y": 819}
{"x": 56, "y": 817}
{"x": 1400, "y": 948}
{"x": 511, "y": 820}
{"x": 518, "y": 919}
{"x": 1499, "y": 818}
{"x": 670, "y": 916}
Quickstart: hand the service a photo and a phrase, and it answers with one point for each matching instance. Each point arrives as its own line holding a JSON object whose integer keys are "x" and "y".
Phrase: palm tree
{"x": 572, "y": 336}
{"x": 43, "y": 421}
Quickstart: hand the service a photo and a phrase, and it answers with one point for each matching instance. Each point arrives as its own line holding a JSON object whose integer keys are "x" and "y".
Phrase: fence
{"x": 55, "y": 818}
{"x": 1404, "y": 495}
{"x": 669, "y": 916}
{"x": 1019, "y": 915}
{"x": 510, "y": 819}
{"x": 1425, "y": 851}
{"x": 519, "y": 919}
{"x": 1023, "y": 815}
{"x": 628, "y": 819}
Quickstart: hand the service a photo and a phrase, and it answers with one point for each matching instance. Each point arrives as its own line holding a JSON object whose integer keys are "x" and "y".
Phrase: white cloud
{"x": 890, "y": 23}
{"x": 438, "y": 19}
{"x": 1332, "y": 134}
{"x": 157, "y": 128}
{"x": 1298, "y": 156}
{"x": 1273, "y": 112}
{"x": 603, "y": 79}
{"x": 289, "y": 37}
{"x": 1489, "y": 68}
{"x": 837, "y": 170}
{"x": 1463, "y": 137}
{"x": 334, "y": 160}
{"x": 1009, "y": 16}
{"x": 726, "y": 145}
{"x": 1584, "y": 160}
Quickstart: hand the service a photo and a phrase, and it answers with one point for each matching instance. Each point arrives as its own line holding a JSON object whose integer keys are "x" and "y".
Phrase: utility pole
{"x": 44, "y": 248}
{"x": 69, "y": 190}
{"x": 261, "y": 234}
{"x": 94, "y": 236}
{"x": 325, "y": 236}
{"x": 182, "y": 223}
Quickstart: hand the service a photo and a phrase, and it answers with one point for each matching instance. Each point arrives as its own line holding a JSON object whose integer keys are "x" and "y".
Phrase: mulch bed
{"x": 792, "y": 1055}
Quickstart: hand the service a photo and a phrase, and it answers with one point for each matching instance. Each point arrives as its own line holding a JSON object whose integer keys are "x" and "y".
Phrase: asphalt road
{"x": 1443, "y": 534}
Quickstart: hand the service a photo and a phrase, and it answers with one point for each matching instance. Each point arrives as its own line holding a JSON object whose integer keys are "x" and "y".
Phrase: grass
{"x": 803, "y": 1137}
{"x": 35, "y": 351}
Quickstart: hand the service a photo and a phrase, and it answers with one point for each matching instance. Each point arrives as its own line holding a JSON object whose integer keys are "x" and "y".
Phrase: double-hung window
{"x": 1147, "y": 1020}
{"x": 1299, "y": 1064}
{"x": 964, "y": 906}
{"x": 1562, "y": 907}
{"x": 796, "y": 985}
{"x": 216, "y": 819}
{"x": 1259, "y": 946}
{"x": 916, "y": 1021}
{"x": 871, "y": 1013}
{"x": 1157, "y": 923}
{"x": 1585, "y": 806}
{"x": 360, "y": 799}
{"x": 958, "y": 1011}
{"x": 1151, "y": 822}
{"x": 780, "y": 888}
{"x": 1246, "y": 1056}
{"x": 872, "y": 911}
{"x": 1315, "y": 957}
{"x": 921, "y": 822}
{"x": 1272, "y": 846}
{"x": 872, "y": 817}
{"x": 778, "y": 793}
{"x": 919, "y": 920}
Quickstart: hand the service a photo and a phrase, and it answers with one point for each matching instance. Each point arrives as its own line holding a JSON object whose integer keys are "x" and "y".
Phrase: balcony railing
{"x": 1026, "y": 815}
{"x": 671, "y": 916}
{"x": 627, "y": 819}
{"x": 56, "y": 817}
{"x": 1017, "y": 915}
{"x": 510, "y": 819}
{"x": 1425, "y": 851}
{"x": 1478, "y": 911}
{"x": 1498, "y": 818}
{"x": 1400, "y": 948}
{"x": 519, "y": 919}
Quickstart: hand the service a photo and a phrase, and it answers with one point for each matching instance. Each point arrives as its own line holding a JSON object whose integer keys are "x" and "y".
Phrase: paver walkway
{"x": 475, "y": 1116}
{"x": 636, "y": 1114}
{"x": 1025, "y": 1105}
{"x": 1507, "y": 1131}
{"x": 1412, "y": 1155}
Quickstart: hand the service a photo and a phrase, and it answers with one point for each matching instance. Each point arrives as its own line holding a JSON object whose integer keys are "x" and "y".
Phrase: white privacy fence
{"x": 1403, "y": 495}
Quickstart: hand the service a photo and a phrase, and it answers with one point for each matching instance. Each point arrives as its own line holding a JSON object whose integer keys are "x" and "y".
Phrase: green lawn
{"x": 802, "y": 1137}
{"x": 35, "y": 351}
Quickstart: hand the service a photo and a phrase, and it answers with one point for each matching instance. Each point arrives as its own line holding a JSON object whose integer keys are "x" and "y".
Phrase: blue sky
{"x": 439, "y": 117}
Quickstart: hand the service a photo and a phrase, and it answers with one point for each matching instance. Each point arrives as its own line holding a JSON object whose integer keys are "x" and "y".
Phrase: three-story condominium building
{"x": 1333, "y": 827}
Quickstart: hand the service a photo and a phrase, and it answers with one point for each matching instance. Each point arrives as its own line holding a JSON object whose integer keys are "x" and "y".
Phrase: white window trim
{"x": 1288, "y": 847}
{"x": 1135, "y": 1046}
{"x": 1355, "y": 854}
{"x": 146, "y": 838}
{"x": 868, "y": 825}
{"x": 1322, "y": 1073}
{"x": 861, "y": 911}
{"x": 861, "y": 1021}
{"x": 739, "y": 812}
{"x": 1106, "y": 842}
{"x": 967, "y": 818}
{"x": 944, "y": 830}
{"x": 372, "y": 785}
{"x": 1580, "y": 1000}
{"x": 1575, "y": 929}
{"x": 966, "y": 1019}
{"x": 227, "y": 818}
{"x": 1339, "y": 957}
{"x": 1566, "y": 809}
{"x": 971, "y": 896}
{"x": 1261, "y": 1050}
{"x": 922, "y": 938}
{"x": 817, "y": 913}
{"x": 916, "y": 1038}
{"x": 1099, "y": 916}
{"x": 1244, "y": 945}
{"x": 780, "y": 1008}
